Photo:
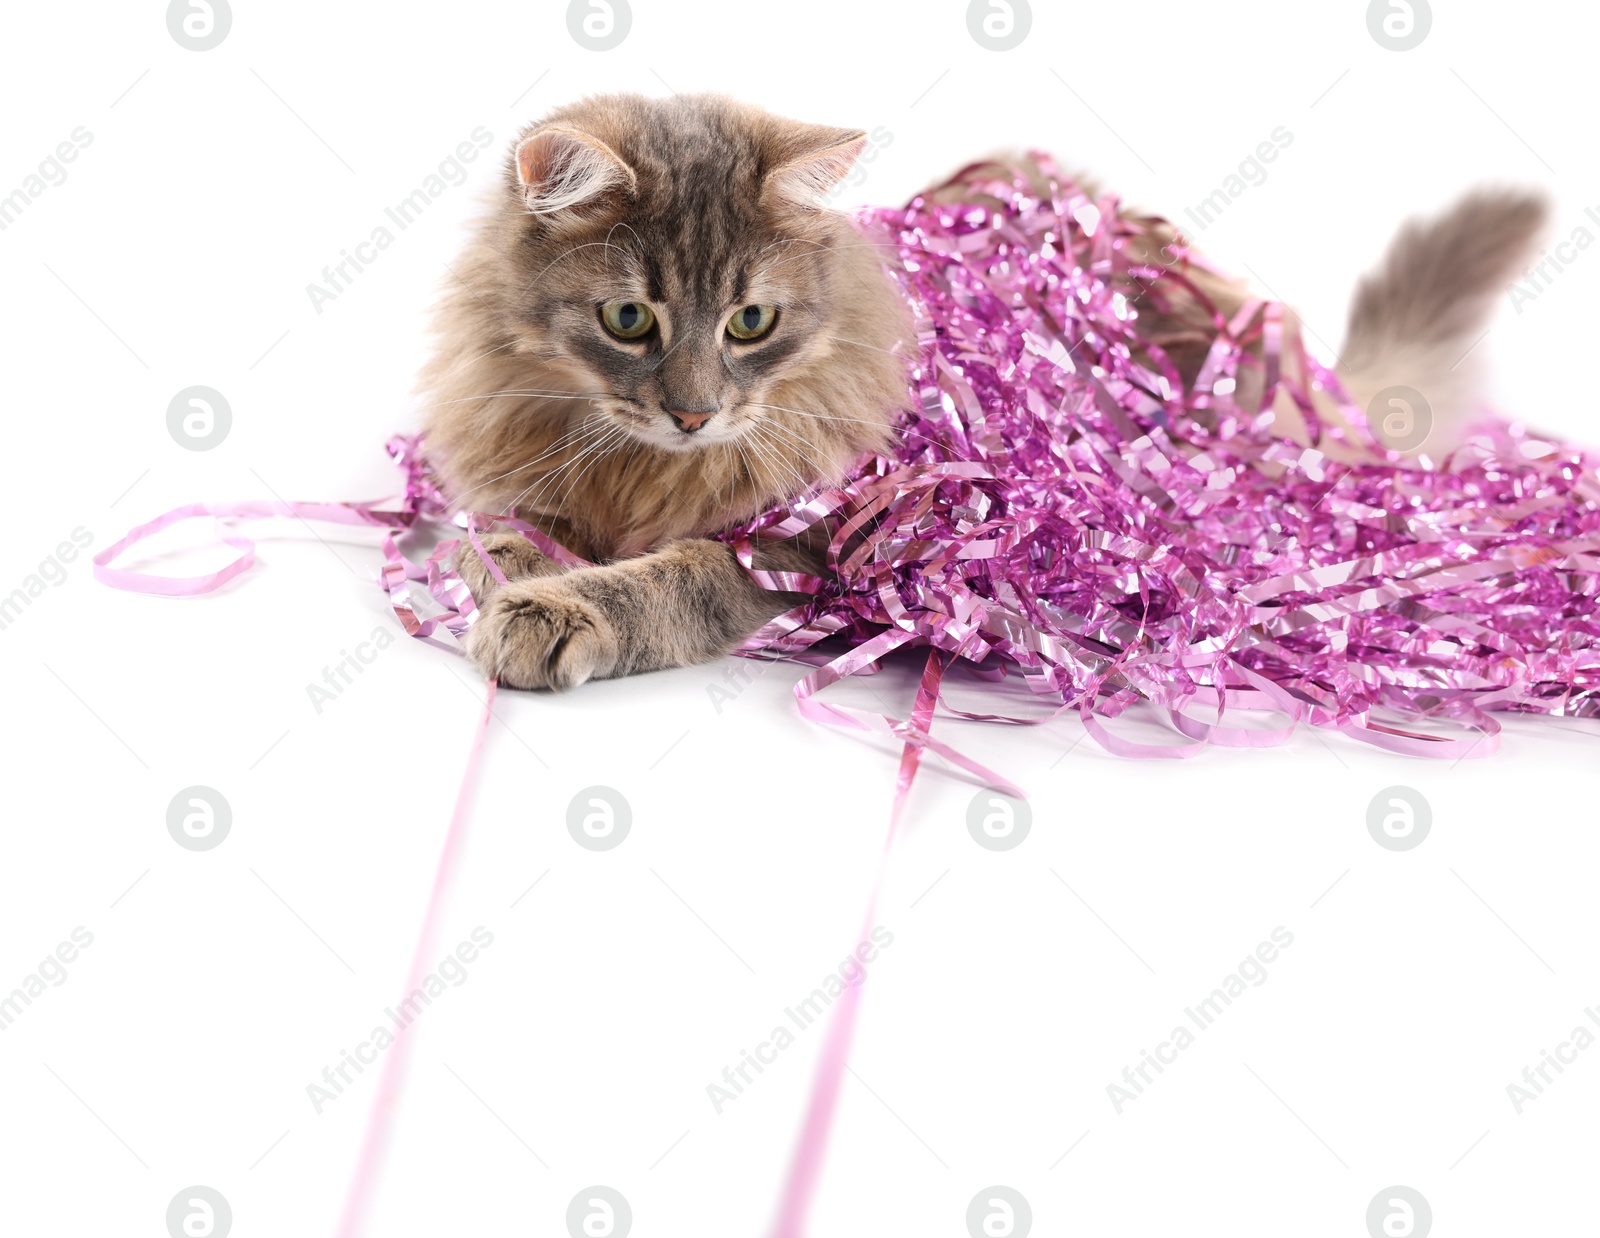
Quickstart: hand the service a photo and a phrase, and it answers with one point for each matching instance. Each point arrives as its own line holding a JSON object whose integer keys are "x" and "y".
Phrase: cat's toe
{"x": 512, "y": 553}
{"x": 542, "y": 637}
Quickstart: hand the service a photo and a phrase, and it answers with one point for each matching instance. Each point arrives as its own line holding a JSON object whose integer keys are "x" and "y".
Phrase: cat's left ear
{"x": 812, "y": 160}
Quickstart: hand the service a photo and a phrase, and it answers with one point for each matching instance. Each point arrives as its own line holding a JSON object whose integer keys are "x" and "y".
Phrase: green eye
{"x": 752, "y": 322}
{"x": 627, "y": 320}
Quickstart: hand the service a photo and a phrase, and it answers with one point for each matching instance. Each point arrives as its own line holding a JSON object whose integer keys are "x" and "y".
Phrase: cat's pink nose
{"x": 689, "y": 422}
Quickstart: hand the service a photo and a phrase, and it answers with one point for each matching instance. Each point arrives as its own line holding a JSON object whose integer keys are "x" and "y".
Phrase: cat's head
{"x": 675, "y": 260}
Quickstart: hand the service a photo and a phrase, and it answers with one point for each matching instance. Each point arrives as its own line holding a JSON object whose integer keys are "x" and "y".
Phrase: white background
{"x": 217, "y": 186}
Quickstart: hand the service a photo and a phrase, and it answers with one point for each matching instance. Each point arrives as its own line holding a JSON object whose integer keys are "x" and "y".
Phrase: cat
{"x": 659, "y": 331}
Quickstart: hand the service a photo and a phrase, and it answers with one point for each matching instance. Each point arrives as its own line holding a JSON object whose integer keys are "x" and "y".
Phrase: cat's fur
{"x": 697, "y": 206}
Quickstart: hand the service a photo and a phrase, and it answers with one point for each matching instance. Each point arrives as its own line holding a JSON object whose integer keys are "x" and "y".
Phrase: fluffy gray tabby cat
{"x": 660, "y": 332}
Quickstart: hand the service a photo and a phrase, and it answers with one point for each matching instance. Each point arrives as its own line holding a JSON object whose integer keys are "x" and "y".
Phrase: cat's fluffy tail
{"x": 1416, "y": 320}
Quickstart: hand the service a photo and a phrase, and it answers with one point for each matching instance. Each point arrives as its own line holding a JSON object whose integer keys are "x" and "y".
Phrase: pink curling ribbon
{"x": 806, "y": 1164}
{"x": 1059, "y": 507}
{"x": 386, "y": 1103}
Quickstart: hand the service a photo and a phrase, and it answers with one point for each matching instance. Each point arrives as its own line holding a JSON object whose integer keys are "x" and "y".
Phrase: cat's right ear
{"x": 561, "y": 168}
{"x": 811, "y": 160}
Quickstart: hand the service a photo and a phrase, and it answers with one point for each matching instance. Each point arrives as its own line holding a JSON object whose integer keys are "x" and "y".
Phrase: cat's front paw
{"x": 540, "y": 634}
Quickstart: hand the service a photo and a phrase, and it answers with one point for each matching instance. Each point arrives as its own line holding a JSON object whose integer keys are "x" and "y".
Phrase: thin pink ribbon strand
{"x": 806, "y": 1166}
{"x": 380, "y": 1120}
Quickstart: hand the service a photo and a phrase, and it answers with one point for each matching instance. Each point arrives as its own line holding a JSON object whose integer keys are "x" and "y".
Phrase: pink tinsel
{"x": 1057, "y": 507}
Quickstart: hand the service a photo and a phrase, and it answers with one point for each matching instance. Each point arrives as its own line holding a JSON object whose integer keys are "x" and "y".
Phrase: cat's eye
{"x": 752, "y": 322}
{"x": 627, "y": 320}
